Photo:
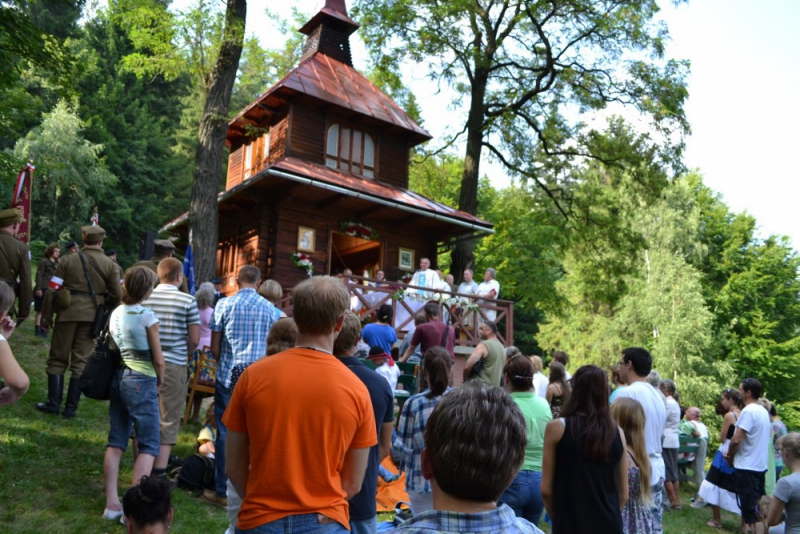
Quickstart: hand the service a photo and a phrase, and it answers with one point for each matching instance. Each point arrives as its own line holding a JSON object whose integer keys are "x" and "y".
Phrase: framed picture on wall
{"x": 306, "y": 239}
{"x": 406, "y": 259}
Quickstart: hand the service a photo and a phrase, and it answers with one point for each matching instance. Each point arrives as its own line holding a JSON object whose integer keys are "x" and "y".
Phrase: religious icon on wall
{"x": 306, "y": 239}
{"x": 406, "y": 259}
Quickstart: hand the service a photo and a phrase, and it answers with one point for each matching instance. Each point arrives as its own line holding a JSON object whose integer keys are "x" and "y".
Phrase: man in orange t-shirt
{"x": 300, "y": 425}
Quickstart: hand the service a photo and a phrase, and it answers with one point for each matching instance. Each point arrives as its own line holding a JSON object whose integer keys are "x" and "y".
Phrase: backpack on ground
{"x": 194, "y": 473}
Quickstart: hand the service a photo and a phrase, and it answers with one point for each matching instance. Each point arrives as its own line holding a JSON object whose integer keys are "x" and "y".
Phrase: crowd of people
{"x": 300, "y": 425}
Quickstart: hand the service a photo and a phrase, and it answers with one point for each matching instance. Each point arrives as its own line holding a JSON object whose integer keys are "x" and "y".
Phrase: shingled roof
{"x": 331, "y": 81}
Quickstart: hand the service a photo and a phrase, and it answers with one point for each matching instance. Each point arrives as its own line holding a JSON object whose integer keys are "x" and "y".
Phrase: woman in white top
{"x": 671, "y": 443}
{"x": 16, "y": 380}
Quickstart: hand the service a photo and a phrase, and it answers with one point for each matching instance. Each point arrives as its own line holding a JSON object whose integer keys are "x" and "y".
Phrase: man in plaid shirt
{"x": 466, "y": 481}
{"x": 239, "y": 331}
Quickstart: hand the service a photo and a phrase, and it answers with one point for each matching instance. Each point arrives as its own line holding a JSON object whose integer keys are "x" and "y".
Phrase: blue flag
{"x": 188, "y": 269}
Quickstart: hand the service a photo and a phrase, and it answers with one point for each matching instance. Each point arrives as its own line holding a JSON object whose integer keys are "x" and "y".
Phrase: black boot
{"x": 55, "y": 392}
{"x": 38, "y": 331}
{"x": 73, "y": 397}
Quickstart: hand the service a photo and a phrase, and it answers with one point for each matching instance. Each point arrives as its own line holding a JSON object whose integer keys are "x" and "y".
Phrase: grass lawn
{"x": 51, "y": 468}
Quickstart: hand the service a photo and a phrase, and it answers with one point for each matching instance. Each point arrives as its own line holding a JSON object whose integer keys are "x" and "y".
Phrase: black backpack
{"x": 195, "y": 473}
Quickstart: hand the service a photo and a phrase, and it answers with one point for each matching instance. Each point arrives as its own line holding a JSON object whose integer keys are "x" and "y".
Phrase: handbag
{"x": 100, "y": 368}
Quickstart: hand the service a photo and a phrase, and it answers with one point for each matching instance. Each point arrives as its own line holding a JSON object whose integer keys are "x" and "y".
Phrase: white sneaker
{"x": 112, "y": 514}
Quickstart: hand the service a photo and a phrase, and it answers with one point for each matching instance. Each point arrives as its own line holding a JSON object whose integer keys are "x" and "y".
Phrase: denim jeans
{"x": 134, "y": 402}
{"x": 365, "y": 526}
{"x": 655, "y": 506}
{"x": 524, "y": 496}
{"x": 298, "y": 524}
{"x": 222, "y": 396}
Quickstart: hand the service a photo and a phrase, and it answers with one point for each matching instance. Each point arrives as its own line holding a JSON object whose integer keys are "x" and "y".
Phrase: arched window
{"x": 350, "y": 150}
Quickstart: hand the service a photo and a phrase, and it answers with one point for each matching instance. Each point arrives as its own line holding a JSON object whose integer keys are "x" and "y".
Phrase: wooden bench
{"x": 698, "y": 447}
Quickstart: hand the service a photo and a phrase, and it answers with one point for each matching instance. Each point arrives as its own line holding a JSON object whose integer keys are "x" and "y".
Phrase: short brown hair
{"x": 281, "y": 336}
{"x": 48, "y": 252}
{"x": 348, "y": 336}
{"x": 139, "y": 281}
{"x": 169, "y": 270}
{"x": 271, "y": 290}
{"x": 318, "y": 303}
{"x": 475, "y": 441}
{"x": 249, "y": 274}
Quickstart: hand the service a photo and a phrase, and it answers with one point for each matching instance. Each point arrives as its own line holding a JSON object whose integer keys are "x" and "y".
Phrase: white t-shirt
{"x": 755, "y": 447}
{"x": 485, "y": 289}
{"x": 701, "y": 428}
{"x": 671, "y": 440}
{"x": 391, "y": 374}
{"x": 655, "y": 418}
{"x": 540, "y": 383}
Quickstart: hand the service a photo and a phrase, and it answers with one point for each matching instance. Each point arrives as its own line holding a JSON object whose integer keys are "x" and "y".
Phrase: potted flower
{"x": 303, "y": 261}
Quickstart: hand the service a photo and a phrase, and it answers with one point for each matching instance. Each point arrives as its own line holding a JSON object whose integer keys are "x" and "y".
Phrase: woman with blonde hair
{"x": 785, "y": 504}
{"x": 636, "y": 516}
{"x": 272, "y": 292}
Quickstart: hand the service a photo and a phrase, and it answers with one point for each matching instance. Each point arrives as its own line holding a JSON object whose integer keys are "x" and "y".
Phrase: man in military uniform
{"x": 15, "y": 262}
{"x": 112, "y": 255}
{"x": 72, "y": 341}
{"x": 162, "y": 248}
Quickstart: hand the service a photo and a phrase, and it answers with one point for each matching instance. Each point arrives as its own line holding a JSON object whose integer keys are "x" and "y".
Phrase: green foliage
{"x": 70, "y": 175}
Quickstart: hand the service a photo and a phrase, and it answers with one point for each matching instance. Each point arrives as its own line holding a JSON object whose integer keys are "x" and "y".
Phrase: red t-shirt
{"x": 430, "y": 334}
{"x": 302, "y": 411}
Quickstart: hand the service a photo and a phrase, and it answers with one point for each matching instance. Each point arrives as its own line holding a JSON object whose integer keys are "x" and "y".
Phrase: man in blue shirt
{"x": 363, "y": 514}
{"x": 474, "y": 445}
{"x": 239, "y": 331}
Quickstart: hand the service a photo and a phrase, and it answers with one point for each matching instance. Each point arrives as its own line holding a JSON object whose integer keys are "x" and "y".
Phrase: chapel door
{"x": 362, "y": 256}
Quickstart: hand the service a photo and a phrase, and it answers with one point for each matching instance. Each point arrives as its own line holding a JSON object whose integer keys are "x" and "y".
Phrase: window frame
{"x": 344, "y": 162}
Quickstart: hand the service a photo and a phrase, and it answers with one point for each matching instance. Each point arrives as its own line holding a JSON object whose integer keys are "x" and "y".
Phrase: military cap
{"x": 110, "y": 252}
{"x": 9, "y": 217}
{"x": 163, "y": 245}
{"x": 216, "y": 280}
{"x": 72, "y": 244}
{"x": 92, "y": 235}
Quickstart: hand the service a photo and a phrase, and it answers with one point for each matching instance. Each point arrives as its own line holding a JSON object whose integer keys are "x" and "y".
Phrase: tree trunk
{"x": 203, "y": 211}
{"x": 463, "y": 256}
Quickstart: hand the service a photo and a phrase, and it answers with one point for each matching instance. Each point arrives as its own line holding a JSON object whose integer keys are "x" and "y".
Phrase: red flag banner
{"x": 22, "y": 201}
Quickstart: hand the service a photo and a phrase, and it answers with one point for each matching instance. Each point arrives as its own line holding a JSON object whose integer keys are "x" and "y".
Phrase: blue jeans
{"x": 222, "y": 396}
{"x": 365, "y": 526}
{"x": 524, "y": 496}
{"x": 134, "y": 402}
{"x": 298, "y": 524}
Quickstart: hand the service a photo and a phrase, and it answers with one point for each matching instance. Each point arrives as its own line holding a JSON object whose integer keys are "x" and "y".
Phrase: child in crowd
{"x": 636, "y": 516}
{"x": 205, "y": 440}
{"x": 385, "y": 365}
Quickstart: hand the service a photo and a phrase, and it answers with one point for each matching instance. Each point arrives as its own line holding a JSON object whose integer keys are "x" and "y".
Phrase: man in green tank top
{"x": 491, "y": 352}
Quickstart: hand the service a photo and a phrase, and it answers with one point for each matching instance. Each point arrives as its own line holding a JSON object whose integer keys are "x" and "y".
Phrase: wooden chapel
{"x": 318, "y": 166}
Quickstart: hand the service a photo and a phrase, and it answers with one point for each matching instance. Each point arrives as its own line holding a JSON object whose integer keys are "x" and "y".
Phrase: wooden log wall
{"x": 306, "y": 134}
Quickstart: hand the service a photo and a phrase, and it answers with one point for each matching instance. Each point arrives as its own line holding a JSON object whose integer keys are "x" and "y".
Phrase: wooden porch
{"x": 464, "y": 312}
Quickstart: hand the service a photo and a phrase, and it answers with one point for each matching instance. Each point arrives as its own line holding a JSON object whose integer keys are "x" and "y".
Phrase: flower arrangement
{"x": 406, "y": 278}
{"x": 462, "y": 303}
{"x": 354, "y": 229}
{"x": 304, "y": 262}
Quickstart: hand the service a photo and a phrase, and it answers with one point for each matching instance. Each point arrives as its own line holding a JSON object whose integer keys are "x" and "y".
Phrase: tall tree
{"x": 70, "y": 174}
{"x": 525, "y": 67}
{"x": 203, "y": 214}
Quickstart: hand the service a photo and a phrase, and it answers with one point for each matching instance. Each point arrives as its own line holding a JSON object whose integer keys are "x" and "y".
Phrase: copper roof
{"x": 328, "y": 80}
{"x": 374, "y": 188}
{"x": 379, "y": 192}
